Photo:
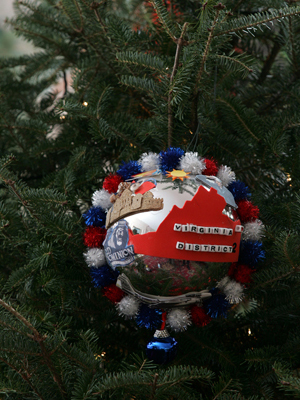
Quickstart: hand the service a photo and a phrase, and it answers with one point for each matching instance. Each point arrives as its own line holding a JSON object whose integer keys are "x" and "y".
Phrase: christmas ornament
{"x": 162, "y": 348}
{"x": 172, "y": 212}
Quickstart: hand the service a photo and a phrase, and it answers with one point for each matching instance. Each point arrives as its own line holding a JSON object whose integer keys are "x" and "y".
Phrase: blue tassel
{"x": 150, "y": 318}
{"x": 239, "y": 190}
{"x": 169, "y": 159}
{"x": 251, "y": 252}
{"x": 126, "y": 170}
{"x": 217, "y": 305}
{"x": 103, "y": 276}
{"x": 95, "y": 216}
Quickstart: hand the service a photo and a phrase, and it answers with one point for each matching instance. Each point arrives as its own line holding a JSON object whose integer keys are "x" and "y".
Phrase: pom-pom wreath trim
{"x": 211, "y": 167}
{"x": 111, "y": 183}
{"x": 229, "y": 290}
{"x": 94, "y": 236}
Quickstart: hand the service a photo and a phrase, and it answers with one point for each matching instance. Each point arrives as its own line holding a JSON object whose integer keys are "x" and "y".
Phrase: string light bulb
{"x": 100, "y": 356}
{"x": 85, "y": 103}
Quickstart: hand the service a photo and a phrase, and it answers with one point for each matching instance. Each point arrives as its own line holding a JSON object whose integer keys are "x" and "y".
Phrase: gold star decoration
{"x": 177, "y": 174}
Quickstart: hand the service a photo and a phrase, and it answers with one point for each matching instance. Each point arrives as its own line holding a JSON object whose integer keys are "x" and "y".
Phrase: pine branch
{"x": 6, "y": 161}
{"x": 261, "y": 21}
{"x": 34, "y": 34}
{"x": 105, "y": 95}
{"x": 94, "y": 6}
{"x": 24, "y": 376}
{"x": 154, "y": 385}
{"x": 287, "y": 256}
{"x": 71, "y": 17}
{"x": 180, "y": 44}
{"x": 143, "y": 60}
{"x": 10, "y": 128}
{"x": 18, "y": 351}
{"x": 269, "y": 62}
{"x": 142, "y": 365}
{"x": 264, "y": 107}
{"x": 211, "y": 349}
{"x": 294, "y": 56}
{"x": 29, "y": 128}
{"x": 39, "y": 11}
{"x": 234, "y": 60}
{"x": 223, "y": 389}
{"x": 145, "y": 84}
{"x": 10, "y": 327}
{"x": 164, "y": 18}
{"x": 80, "y": 15}
{"x": 37, "y": 337}
{"x": 218, "y": 8}
{"x": 288, "y": 380}
{"x": 238, "y": 117}
{"x": 11, "y": 183}
{"x": 67, "y": 355}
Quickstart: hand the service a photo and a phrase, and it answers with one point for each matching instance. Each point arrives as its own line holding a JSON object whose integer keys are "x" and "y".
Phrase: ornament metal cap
{"x": 161, "y": 333}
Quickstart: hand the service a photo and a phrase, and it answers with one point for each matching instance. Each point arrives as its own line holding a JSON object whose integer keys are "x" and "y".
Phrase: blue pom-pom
{"x": 150, "y": 318}
{"x": 239, "y": 190}
{"x": 217, "y": 305}
{"x": 126, "y": 170}
{"x": 170, "y": 158}
{"x": 251, "y": 252}
{"x": 103, "y": 276}
{"x": 95, "y": 216}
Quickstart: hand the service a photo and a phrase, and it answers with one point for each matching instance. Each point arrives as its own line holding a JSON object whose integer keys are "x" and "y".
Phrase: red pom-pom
{"x": 241, "y": 273}
{"x": 94, "y": 236}
{"x": 211, "y": 167}
{"x": 232, "y": 269}
{"x": 113, "y": 293}
{"x": 247, "y": 211}
{"x": 111, "y": 183}
{"x": 199, "y": 316}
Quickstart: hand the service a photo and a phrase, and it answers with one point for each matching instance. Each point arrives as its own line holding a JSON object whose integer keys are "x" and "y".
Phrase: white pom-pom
{"x": 226, "y": 175}
{"x": 128, "y": 307}
{"x": 149, "y": 161}
{"x": 178, "y": 319}
{"x": 95, "y": 257}
{"x": 191, "y": 162}
{"x": 101, "y": 198}
{"x": 253, "y": 230}
{"x": 234, "y": 291}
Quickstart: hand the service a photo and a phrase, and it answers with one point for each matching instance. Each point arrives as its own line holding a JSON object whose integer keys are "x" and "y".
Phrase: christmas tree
{"x": 109, "y": 82}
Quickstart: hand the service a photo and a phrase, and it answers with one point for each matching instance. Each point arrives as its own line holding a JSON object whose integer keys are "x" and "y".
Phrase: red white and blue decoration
{"x": 205, "y": 214}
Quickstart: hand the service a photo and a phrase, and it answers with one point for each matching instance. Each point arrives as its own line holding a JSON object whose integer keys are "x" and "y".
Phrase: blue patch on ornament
{"x": 117, "y": 251}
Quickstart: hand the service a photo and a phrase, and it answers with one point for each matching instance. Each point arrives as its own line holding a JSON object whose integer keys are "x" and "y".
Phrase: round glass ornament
{"x": 162, "y": 348}
{"x": 176, "y": 219}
